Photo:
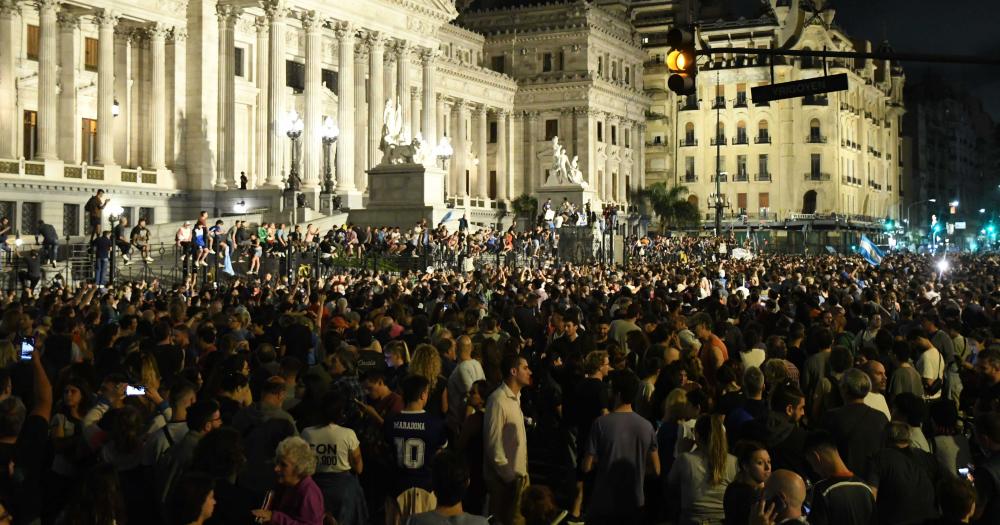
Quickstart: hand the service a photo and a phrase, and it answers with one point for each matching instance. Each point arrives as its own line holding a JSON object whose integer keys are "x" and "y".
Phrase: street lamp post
{"x": 910, "y": 207}
{"x": 718, "y": 164}
{"x": 293, "y": 128}
{"x": 330, "y": 132}
{"x": 443, "y": 151}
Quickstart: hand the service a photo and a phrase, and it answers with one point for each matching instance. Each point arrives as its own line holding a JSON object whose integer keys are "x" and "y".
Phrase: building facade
{"x": 832, "y": 154}
{"x": 165, "y": 104}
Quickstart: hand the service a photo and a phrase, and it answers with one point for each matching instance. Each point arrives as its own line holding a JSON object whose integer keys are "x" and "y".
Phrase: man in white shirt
{"x": 467, "y": 372}
{"x": 930, "y": 364}
{"x": 876, "y": 397}
{"x": 505, "y": 468}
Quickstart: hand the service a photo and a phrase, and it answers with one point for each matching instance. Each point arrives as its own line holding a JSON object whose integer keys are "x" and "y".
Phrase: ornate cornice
{"x": 106, "y": 17}
{"x": 276, "y": 10}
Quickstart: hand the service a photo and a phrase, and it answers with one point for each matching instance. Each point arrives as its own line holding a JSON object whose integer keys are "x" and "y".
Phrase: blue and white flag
{"x": 446, "y": 218}
{"x": 870, "y": 252}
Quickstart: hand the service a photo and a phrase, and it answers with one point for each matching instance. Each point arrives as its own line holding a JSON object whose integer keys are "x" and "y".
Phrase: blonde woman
{"x": 8, "y": 355}
{"x": 427, "y": 364}
{"x": 701, "y": 477}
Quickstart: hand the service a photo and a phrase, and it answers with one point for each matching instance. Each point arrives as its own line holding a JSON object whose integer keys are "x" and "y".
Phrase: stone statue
{"x": 564, "y": 170}
{"x": 575, "y": 175}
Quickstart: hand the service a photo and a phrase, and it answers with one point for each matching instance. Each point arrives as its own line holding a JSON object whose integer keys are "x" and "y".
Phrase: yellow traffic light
{"x": 678, "y": 61}
{"x": 681, "y": 60}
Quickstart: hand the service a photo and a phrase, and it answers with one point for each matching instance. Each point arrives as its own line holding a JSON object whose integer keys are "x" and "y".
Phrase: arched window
{"x": 815, "y": 136}
{"x": 763, "y": 135}
{"x": 741, "y": 132}
{"x": 689, "y": 139}
{"x": 720, "y": 134}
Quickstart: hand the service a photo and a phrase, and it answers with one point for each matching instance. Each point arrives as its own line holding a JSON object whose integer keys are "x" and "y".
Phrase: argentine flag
{"x": 869, "y": 251}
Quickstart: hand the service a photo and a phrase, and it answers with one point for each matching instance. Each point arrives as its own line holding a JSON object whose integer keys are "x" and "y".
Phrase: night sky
{"x": 954, "y": 27}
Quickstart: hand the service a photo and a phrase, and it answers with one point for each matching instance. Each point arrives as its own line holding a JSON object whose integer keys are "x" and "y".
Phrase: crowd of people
{"x": 694, "y": 389}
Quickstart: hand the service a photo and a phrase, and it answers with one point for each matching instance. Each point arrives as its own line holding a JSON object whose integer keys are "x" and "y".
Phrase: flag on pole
{"x": 870, "y": 252}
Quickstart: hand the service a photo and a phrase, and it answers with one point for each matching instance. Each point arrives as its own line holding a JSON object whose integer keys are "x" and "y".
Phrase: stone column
{"x": 48, "y": 65}
{"x": 531, "y": 172}
{"x": 360, "y": 129}
{"x": 429, "y": 110}
{"x": 312, "y": 142}
{"x": 642, "y": 154}
{"x": 158, "y": 96}
{"x": 461, "y": 148}
{"x": 177, "y": 103}
{"x": 228, "y": 15}
{"x": 376, "y": 94}
{"x": 403, "y": 85}
{"x": 69, "y": 51}
{"x": 276, "y": 12}
{"x": 9, "y": 119}
{"x": 503, "y": 177}
{"x": 105, "y": 87}
{"x": 414, "y": 114}
{"x": 608, "y": 181}
{"x": 345, "y": 109}
{"x": 439, "y": 116}
{"x": 389, "y": 77}
{"x": 259, "y": 176}
{"x": 483, "y": 173}
{"x": 122, "y": 94}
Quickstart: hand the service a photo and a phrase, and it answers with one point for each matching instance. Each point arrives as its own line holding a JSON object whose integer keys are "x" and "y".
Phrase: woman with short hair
{"x": 297, "y": 499}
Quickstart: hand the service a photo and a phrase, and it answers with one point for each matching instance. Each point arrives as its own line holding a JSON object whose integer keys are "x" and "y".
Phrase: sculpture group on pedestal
{"x": 396, "y": 146}
{"x": 564, "y": 170}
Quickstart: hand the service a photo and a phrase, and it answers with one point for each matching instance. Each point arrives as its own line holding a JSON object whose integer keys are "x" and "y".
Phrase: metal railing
{"x": 817, "y": 176}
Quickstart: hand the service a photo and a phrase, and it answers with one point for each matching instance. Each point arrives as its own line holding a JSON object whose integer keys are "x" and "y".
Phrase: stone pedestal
{"x": 577, "y": 194}
{"x": 402, "y": 194}
{"x": 329, "y": 203}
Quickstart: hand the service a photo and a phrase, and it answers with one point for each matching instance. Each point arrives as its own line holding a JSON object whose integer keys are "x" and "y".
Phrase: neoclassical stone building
{"x": 166, "y": 103}
{"x": 838, "y": 153}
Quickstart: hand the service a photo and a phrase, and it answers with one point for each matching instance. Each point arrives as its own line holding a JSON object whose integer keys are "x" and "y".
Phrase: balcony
{"x": 817, "y": 176}
{"x": 719, "y": 103}
{"x": 721, "y": 177}
{"x": 740, "y": 139}
{"x": 815, "y": 101}
{"x": 763, "y": 177}
{"x": 741, "y": 100}
{"x": 718, "y": 141}
{"x": 689, "y": 141}
{"x": 741, "y": 177}
{"x": 762, "y": 139}
{"x": 690, "y": 177}
{"x": 814, "y": 138}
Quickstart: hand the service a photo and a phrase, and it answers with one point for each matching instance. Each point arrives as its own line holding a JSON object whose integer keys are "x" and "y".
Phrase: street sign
{"x": 960, "y": 225}
{"x": 799, "y": 88}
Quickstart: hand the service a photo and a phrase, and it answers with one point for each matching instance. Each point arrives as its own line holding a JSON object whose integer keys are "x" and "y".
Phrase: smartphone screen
{"x": 135, "y": 390}
{"x": 27, "y": 348}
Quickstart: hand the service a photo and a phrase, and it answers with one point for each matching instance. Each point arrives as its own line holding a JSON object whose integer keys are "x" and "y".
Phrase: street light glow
{"x": 953, "y": 203}
{"x": 942, "y": 265}
{"x": 982, "y": 210}
{"x": 329, "y": 131}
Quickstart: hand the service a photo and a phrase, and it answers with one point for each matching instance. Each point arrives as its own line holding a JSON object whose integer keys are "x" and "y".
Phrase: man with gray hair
{"x": 856, "y": 427}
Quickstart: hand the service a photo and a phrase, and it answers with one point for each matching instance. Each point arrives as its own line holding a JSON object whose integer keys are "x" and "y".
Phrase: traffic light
{"x": 991, "y": 229}
{"x": 889, "y": 225}
{"x": 682, "y": 61}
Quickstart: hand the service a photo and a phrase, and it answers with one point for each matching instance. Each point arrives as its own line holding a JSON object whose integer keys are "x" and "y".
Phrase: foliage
{"x": 525, "y": 205}
{"x": 669, "y": 204}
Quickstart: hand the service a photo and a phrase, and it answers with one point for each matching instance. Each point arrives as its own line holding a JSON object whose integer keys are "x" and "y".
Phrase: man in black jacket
{"x": 50, "y": 242}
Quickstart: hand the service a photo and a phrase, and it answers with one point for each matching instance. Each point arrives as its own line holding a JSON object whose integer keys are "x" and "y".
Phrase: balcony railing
{"x": 718, "y": 141}
{"x": 688, "y": 141}
{"x": 762, "y": 139}
{"x": 741, "y": 101}
{"x": 763, "y": 177}
{"x": 741, "y": 177}
{"x": 815, "y": 139}
{"x": 740, "y": 139}
{"x": 690, "y": 177}
{"x": 817, "y": 176}
{"x": 719, "y": 103}
{"x": 722, "y": 177}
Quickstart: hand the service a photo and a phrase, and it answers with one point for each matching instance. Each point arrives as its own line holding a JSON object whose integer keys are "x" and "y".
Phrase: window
{"x": 614, "y": 135}
{"x": 689, "y": 139}
{"x": 689, "y": 175}
{"x": 30, "y": 134}
{"x": 295, "y": 76}
{"x": 764, "y": 200}
{"x": 741, "y": 132}
{"x": 762, "y": 170}
{"x": 329, "y": 78}
{"x": 720, "y": 97}
{"x": 628, "y": 142}
{"x": 238, "y": 55}
{"x": 497, "y": 63}
{"x": 600, "y": 66}
{"x": 763, "y": 136}
{"x": 71, "y": 219}
{"x": 815, "y": 164}
{"x": 614, "y": 71}
{"x": 30, "y": 213}
{"x": 546, "y": 62}
{"x": 720, "y": 134}
{"x": 493, "y": 184}
{"x": 32, "y": 43}
{"x": 600, "y": 132}
{"x": 741, "y": 202}
{"x": 88, "y": 139}
{"x": 814, "y": 131}
{"x": 147, "y": 213}
{"x": 551, "y": 129}
{"x": 628, "y": 76}
{"x": 741, "y": 95}
{"x": 493, "y": 132}
{"x": 90, "y": 53}
{"x": 741, "y": 166}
